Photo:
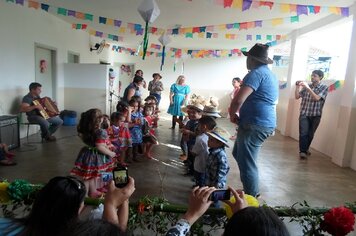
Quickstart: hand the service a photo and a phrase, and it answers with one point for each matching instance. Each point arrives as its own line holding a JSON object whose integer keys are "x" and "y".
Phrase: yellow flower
{"x": 251, "y": 201}
{"x": 4, "y": 197}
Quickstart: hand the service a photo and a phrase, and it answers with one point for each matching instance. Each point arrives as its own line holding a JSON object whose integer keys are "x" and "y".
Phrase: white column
{"x": 344, "y": 153}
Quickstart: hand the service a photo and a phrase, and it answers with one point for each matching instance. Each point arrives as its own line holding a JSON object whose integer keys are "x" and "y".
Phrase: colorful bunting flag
{"x": 33, "y": 4}
{"x": 62, "y": 11}
{"x": 71, "y": 13}
{"x": 20, "y": 2}
{"x": 246, "y": 4}
{"x": 294, "y": 19}
{"x": 44, "y": 7}
{"x": 88, "y": 16}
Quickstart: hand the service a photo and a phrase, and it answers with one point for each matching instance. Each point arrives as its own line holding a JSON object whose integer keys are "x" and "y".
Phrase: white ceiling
{"x": 193, "y": 13}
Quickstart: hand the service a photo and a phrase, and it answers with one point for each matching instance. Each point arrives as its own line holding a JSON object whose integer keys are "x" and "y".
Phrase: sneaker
{"x": 50, "y": 139}
{"x": 308, "y": 153}
{"x": 303, "y": 155}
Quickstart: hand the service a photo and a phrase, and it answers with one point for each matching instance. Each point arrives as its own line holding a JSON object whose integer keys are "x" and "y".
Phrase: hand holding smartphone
{"x": 121, "y": 176}
{"x": 220, "y": 195}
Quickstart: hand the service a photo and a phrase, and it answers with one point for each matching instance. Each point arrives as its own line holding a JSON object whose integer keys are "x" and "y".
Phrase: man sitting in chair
{"x": 35, "y": 113}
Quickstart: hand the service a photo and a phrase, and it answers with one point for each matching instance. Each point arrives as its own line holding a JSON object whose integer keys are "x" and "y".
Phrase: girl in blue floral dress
{"x": 137, "y": 120}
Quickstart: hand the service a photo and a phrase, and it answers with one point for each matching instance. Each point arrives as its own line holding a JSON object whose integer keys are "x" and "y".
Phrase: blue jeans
{"x": 199, "y": 178}
{"x": 307, "y": 128}
{"x": 247, "y": 146}
{"x": 48, "y": 127}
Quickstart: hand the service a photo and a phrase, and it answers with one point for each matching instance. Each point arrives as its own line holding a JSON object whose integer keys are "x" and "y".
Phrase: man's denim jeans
{"x": 247, "y": 146}
{"x": 307, "y": 128}
{"x": 48, "y": 127}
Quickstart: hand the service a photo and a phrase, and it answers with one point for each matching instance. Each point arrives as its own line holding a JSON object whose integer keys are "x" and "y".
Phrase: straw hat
{"x": 198, "y": 107}
{"x": 220, "y": 134}
{"x": 211, "y": 111}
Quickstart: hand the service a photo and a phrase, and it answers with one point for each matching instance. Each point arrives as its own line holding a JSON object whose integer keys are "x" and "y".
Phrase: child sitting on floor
{"x": 6, "y": 156}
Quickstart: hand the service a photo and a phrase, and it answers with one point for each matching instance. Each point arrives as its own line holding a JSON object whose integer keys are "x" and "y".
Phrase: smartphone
{"x": 121, "y": 176}
{"x": 220, "y": 195}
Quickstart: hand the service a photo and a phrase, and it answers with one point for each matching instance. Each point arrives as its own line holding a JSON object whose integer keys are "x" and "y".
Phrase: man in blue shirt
{"x": 256, "y": 103}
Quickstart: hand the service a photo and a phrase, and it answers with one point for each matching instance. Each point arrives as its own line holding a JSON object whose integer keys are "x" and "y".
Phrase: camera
{"x": 121, "y": 176}
{"x": 219, "y": 195}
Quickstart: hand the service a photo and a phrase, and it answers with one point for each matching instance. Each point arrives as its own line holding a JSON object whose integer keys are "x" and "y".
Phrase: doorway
{"x": 73, "y": 57}
{"x": 45, "y": 70}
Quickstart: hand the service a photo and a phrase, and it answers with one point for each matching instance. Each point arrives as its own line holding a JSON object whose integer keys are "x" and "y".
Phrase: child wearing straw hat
{"x": 217, "y": 166}
{"x": 201, "y": 149}
{"x": 189, "y": 133}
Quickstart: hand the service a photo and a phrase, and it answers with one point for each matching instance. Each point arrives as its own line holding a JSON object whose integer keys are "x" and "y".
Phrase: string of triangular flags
{"x": 249, "y": 37}
{"x": 97, "y": 33}
{"x": 332, "y": 87}
{"x": 300, "y": 9}
{"x": 181, "y": 53}
{"x": 193, "y": 53}
{"x": 188, "y": 32}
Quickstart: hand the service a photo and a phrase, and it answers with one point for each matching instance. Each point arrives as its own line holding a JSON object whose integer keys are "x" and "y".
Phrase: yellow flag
{"x": 122, "y": 30}
{"x": 236, "y": 4}
{"x": 222, "y": 27}
{"x": 285, "y": 8}
{"x": 335, "y": 10}
{"x": 189, "y": 30}
{"x": 277, "y": 21}
{"x": 109, "y": 21}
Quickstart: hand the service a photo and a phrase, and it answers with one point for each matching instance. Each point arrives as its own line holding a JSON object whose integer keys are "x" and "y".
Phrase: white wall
{"x": 22, "y": 28}
{"x": 206, "y": 77}
{"x": 85, "y": 87}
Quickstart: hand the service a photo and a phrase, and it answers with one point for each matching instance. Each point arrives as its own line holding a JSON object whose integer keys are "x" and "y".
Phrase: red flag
{"x": 267, "y": 4}
{"x": 316, "y": 9}
{"x": 84, "y": 26}
{"x": 227, "y": 3}
{"x": 331, "y": 87}
{"x": 243, "y": 25}
{"x": 196, "y": 29}
{"x": 153, "y": 30}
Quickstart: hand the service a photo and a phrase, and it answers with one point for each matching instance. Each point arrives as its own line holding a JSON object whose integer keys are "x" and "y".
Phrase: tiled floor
{"x": 284, "y": 178}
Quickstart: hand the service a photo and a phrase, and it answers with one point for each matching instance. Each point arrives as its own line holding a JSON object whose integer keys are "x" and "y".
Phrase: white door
{"x": 44, "y": 70}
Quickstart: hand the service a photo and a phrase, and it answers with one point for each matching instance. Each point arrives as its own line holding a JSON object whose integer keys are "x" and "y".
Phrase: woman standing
{"x": 133, "y": 89}
{"x": 155, "y": 86}
{"x": 178, "y": 97}
{"x": 236, "y": 83}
